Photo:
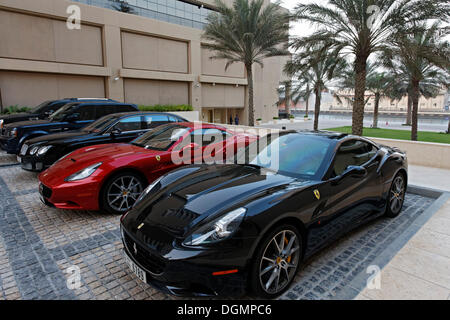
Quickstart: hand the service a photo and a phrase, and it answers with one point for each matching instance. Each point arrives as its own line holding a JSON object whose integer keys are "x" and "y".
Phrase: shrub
{"x": 259, "y": 119}
{"x": 275, "y": 118}
{"x": 166, "y": 108}
{"x": 291, "y": 116}
{"x": 15, "y": 109}
{"x": 305, "y": 116}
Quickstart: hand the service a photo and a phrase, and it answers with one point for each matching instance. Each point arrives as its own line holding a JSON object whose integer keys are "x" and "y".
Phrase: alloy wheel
{"x": 397, "y": 195}
{"x": 279, "y": 262}
{"x": 123, "y": 193}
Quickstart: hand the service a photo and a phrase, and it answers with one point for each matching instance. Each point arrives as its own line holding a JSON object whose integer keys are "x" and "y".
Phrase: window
{"x": 129, "y": 124}
{"x": 207, "y": 136}
{"x": 52, "y": 107}
{"x": 293, "y": 154}
{"x": 86, "y": 112}
{"x": 104, "y": 110}
{"x": 352, "y": 153}
{"x": 155, "y": 120}
{"x": 161, "y": 138}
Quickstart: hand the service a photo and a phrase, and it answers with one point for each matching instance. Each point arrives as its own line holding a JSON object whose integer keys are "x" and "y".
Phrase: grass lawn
{"x": 398, "y": 134}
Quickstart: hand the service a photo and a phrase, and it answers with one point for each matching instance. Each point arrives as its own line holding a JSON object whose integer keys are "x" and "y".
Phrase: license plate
{"x": 19, "y": 159}
{"x": 141, "y": 274}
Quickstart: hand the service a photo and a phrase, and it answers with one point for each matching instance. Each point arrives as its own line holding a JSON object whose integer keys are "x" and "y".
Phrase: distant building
{"x": 436, "y": 104}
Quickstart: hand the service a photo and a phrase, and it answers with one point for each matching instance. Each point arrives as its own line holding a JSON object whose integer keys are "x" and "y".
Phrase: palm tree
{"x": 378, "y": 83}
{"x": 315, "y": 67}
{"x": 247, "y": 32}
{"x": 122, "y": 6}
{"x": 297, "y": 91}
{"x": 361, "y": 28}
{"x": 285, "y": 90}
{"x": 423, "y": 57}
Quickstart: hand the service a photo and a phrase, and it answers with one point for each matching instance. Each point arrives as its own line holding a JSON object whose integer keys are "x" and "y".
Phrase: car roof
{"x": 322, "y": 133}
{"x": 99, "y": 103}
{"x": 201, "y": 125}
{"x": 124, "y": 114}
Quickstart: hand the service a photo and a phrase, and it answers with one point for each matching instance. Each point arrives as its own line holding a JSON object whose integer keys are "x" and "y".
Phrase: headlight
{"x": 33, "y": 150}
{"x": 147, "y": 190}
{"x": 1, "y": 123}
{"x": 217, "y": 230}
{"x": 83, "y": 174}
{"x": 43, "y": 150}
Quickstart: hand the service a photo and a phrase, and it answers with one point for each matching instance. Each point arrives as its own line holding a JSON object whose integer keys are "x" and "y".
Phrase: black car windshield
{"x": 37, "y": 109}
{"x": 162, "y": 137}
{"x": 292, "y": 154}
{"x": 62, "y": 112}
{"x": 101, "y": 124}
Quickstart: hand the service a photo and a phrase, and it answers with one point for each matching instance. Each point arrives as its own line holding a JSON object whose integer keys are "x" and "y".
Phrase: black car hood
{"x": 30, "y": 123}
{"x": 18, "y": 117}
{"x": 62, "y": 138}
{"x": 205, "y": 191}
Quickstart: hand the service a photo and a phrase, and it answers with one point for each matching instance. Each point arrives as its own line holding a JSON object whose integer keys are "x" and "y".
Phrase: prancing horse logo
{"x": 317, "y": 194}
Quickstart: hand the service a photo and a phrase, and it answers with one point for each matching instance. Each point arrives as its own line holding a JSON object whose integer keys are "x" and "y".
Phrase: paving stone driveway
{"x": 40, "y": 245}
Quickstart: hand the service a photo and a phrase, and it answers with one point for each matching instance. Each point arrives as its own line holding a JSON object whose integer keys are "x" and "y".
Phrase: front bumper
{"x": 9, "y": 144}
{"x": 70, "y": 196}
{"x": 188, "y": 272}
{"x": 31, "y": 163}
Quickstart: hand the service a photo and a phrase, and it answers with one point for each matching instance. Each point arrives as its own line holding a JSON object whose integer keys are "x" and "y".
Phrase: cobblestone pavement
{"x": 38, "y": 245}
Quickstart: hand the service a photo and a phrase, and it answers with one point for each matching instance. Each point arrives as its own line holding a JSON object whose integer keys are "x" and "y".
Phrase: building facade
{"x": 435, "y": 104}
{"x": 153, "y": 56}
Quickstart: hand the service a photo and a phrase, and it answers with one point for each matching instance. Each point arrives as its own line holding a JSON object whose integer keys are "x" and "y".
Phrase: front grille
{"x": 24, "y": 149}
{"x": 45, "y": 191}
{"x": 148, "y": 260}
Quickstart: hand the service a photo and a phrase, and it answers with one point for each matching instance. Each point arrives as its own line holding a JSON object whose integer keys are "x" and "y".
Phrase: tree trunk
{"x": 375, "y": 110}
{"x": 307, "y": 106}
{"x": 251, "y": 111}
{"x": 415, "y": 109}
{"x": 448, "y": 130}
{"x": 318, "y": 92}
{"x": 409, "y": 110}
{"x": 360, "y": 88}
{"x": 287, "y": 97}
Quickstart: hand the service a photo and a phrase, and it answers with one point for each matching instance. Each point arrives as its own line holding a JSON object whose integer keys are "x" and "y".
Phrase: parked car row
{"x": 211, "y": 227}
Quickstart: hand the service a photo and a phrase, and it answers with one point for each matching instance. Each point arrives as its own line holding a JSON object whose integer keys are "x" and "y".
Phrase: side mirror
{"x": 351, "y": 171}
{"x": 115, "y": 132}
{"x": 73, "y": 117}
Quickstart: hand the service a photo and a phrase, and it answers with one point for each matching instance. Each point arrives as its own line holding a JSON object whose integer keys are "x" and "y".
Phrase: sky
{"x": 298, "y": 28}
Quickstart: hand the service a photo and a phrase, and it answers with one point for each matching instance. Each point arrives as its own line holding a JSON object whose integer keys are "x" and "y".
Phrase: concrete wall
{"x": 28, "y": 88}
{"x": 151, "y": 92}
{"x": 421, "y": 153}
{"x": 121, "y": 56}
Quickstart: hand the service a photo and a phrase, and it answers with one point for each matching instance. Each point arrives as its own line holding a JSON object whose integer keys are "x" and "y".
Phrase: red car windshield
{"x": 162, "y": 137}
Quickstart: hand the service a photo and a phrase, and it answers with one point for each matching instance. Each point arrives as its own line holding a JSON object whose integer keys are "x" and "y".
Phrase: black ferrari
{"x": 227, "y": 229}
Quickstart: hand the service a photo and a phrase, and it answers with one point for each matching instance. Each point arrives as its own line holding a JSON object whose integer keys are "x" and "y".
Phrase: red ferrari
{"x": 112, "y": 176}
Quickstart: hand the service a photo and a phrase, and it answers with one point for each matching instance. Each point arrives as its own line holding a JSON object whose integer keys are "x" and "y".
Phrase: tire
{"x": 121, "y": 191}
{"x": 396, "y": 196}
{"x": 268, "y": 263}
